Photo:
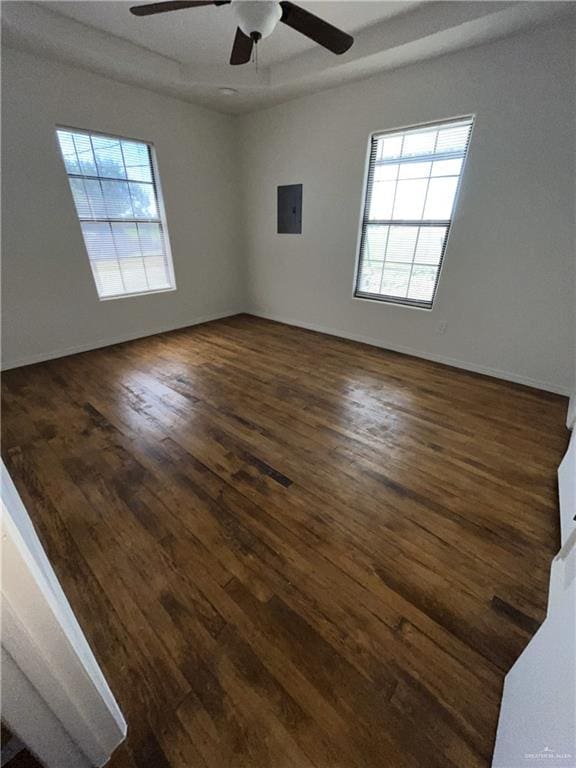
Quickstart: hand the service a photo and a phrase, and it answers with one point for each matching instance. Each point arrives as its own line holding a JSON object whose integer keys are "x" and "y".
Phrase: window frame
{"x": 159, "y": 202}
{"x": 364, "y": 206}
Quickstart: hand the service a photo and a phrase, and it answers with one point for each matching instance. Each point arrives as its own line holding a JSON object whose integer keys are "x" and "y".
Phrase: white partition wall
{"x": 567, "y": 491}
{"x": 537, "y": 722}
{"x": 538, "y": 715}
{"x": 54, "y": 695}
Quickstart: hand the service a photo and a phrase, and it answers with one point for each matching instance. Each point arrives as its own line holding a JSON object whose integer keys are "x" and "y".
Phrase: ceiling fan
{"x": 257, "y": 19}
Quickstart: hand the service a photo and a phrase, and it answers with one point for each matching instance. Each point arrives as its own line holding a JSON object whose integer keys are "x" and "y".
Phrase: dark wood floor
{"x": 289, "y": 550}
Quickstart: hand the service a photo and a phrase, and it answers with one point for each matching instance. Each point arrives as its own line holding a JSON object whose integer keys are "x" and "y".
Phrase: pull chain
{"x": 255, "y": 37}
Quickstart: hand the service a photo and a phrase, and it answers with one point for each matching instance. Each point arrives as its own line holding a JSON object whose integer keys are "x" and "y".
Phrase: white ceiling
{"x": 205, "y": 35}
{"x": 185, "y": 53}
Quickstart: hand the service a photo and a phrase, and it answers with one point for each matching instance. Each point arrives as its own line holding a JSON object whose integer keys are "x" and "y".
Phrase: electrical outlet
{"x": 441, "y": 327}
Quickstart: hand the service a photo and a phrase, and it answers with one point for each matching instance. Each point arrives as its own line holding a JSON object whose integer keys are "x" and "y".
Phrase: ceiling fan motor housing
{"x": 257, "y": 18}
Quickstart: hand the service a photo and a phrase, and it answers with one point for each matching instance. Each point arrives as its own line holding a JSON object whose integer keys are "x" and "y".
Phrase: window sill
{"x": 133, "y": 295}
{"x": 391, "y": 303}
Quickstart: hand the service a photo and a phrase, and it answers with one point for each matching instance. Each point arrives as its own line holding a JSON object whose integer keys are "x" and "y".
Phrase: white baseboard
{"x": 64, "y": 352}
{"x": 454, "y": 362}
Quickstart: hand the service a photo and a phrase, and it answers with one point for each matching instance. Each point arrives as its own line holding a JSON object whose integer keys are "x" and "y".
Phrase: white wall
{"x": 50, "y": 305}
{"x": 507, "y": 287}
{"x": 536, "y": 723}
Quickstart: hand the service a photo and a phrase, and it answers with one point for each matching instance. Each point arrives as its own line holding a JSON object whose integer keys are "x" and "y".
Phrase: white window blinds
{"x": 114, "y": 189}
{"x": 412, "y": 184}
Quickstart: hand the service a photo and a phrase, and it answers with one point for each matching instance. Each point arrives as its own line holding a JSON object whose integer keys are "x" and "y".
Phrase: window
{"x": 413, "y": 180}
{"x": 116, "y": 197}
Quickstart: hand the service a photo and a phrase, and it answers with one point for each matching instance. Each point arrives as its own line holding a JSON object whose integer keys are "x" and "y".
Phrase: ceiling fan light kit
{"x": 257, "y": 19}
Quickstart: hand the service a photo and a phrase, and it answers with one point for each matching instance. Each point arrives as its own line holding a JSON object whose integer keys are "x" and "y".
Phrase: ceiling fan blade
{"x": 242, "y": 48}
{"x": 172, "y": 5}
{"x": 316, "y": 29}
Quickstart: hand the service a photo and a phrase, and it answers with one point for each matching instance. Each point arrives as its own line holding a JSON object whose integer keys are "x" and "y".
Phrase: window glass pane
{"x": 98, "y": 240}
{"x": 401, "y": 243}
{"x": 453, "y": 139}
{"x": 422, "y": 283}
{"x": 370, "y": 276}
{"x": 137, "y": 161}
{"x": 415, "y": 170}
{"x": 389, "y": 147}
{"x": 80, "y": 199}
{"x": 118, "y": 200}
{"x": 376, "y": 239}
{"x": 85, "y": 156}
{"x": 410, "y": 197}
{"x": 430, "y": 244}
{"x": 419, "y": 143}
{"x": 97, "y": 207}
{"x": 447, "y": 167}
{"x": 108, "y": 154}
{"x": 151, "y": 240}
{"x": 157, "y": 272}
{"x": 395, "y": 279}
{"x": 144, "y": 201}
{"x": 114, "y": 191}
{"x": 440, "y": 198}
{"x": 386, "y": 172}
{"x": 134, "y": 275}
{"x": 68, "y": 150}
{"x": 108, "y": 278}
{"x": 126, "y": 240}
{"x": 382, "y": 200}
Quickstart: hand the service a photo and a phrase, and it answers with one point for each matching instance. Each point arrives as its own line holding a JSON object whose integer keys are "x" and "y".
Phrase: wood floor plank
{"x": 289, "y": 549}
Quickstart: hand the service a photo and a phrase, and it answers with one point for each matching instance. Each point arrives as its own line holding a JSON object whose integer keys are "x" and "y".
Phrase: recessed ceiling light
{"x": 228, "y": 91}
